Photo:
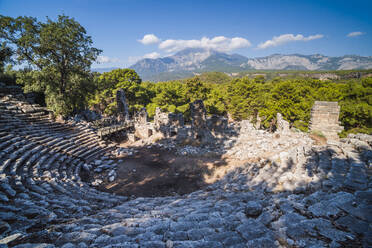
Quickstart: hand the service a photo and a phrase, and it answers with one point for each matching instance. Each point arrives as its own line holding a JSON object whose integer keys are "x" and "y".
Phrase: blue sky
{"x": 250, "y": 28}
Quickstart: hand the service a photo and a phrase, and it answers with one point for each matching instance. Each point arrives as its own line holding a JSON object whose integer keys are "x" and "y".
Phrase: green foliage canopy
{"x": 108, "y": 83}
{"x": 59, "y": 52}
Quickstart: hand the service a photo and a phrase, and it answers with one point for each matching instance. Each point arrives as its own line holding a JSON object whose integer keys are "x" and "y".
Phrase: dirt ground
{"x": 157, "y": 172}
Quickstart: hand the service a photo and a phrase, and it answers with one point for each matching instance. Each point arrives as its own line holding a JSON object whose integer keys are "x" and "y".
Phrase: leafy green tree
{"x": 356, "y": 107}
{"x": 215, "y": 77}
{"x": 59, "y": 51}
{"x": 169, "y": 96}
{"x": 216, "y": 100}
{"x": 108, "y": 83}
{"x": 5, "y": 56}
{"x": 196, "y": 89}
{"x": 244, "y": 98}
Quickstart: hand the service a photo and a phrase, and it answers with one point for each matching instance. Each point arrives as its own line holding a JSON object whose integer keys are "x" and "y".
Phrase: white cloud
{"x": 218, "y": 43}
{"x": 353, "y": 34}
{"x": 149, "y": 39}
{"x": 153, "y": 55}
{"x": 285, "y": 38}
{"x": 134, "y": 59}
{"x": 106, "y": 59}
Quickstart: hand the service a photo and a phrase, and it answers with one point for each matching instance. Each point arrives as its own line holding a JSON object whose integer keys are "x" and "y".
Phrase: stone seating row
{"x": 40, "y": 164}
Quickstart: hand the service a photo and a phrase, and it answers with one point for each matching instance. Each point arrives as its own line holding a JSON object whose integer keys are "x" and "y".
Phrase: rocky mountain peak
{"x": 189, "y": 61}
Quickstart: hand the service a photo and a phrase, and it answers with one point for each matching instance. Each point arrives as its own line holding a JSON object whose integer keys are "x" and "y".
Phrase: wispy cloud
{"x": 354, "y": 34}
{"x": 153, "y": 55}
{"x": 218, "y": 43}
{"x": 286, "y": 38}
{"x": 134, "y": 59}
{"x": 106, "y": 59}
{"x": 149, "y": 39}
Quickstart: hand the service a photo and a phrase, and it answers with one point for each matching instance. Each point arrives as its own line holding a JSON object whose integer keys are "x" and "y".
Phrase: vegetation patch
{"x": 318, "y": 137}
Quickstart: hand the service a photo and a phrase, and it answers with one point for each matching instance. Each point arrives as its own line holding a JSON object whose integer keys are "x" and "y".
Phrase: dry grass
{"x": 319, "y": 138}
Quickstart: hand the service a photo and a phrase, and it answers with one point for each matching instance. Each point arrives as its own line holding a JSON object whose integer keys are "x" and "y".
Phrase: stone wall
{"x": 141, "y": 116}
{"x": 167, "y": 119}
{"x": 198, "y": 115}
{"x": 324, "y": 118}
{"x": 143, "y": 128}
{"x": 217, "y": 123}
{"x": 199, "y": 122}
{"x": 122, "y": 105}
{"x": 176, "y": 119}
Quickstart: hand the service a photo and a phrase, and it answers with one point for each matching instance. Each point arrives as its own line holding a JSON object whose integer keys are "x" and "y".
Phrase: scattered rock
{"x": 253, "y": 209}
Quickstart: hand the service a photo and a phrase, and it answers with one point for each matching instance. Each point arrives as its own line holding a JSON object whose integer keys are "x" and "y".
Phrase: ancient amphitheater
{"x": 287, "y": 192}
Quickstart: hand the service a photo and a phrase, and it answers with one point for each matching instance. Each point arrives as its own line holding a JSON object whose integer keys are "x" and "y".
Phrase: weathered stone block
{"x": 324, "y": 118}
{"x": 281, "y": 124}
{"x": 122, "y": 105}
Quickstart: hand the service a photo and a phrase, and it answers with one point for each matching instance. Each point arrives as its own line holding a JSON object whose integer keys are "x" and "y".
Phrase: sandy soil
{"x": 158, "y": 172}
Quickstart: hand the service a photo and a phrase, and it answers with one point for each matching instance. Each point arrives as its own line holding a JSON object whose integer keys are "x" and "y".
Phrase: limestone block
{"x": 281, "y": 124}
{"x": 324, "y": 118}
{"x": 122, "y": 105}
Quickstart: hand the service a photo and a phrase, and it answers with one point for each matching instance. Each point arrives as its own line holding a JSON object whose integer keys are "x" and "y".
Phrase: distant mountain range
{"x": 192, "y": 61}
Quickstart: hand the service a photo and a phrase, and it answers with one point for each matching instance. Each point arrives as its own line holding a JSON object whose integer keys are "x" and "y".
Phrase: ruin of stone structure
{"x": 169, "y": 124}
{"x": 285, "y": 192}
{"x": 199, "y": 122}
{"x": 162, "y": 119}
{"x": 121, "y": 102}
{"x": 246, "y": 127}
{"x": 198, "y": 115}
{"x": 282, "y": 125}
{"x": 176, "y": 119}
{"x": 143, "y": 128}
{"x": 325, "y": 119}
{"x": 258, "y": 121}
{"x": 141, "y": 116}
{"x": 217, "y": 123}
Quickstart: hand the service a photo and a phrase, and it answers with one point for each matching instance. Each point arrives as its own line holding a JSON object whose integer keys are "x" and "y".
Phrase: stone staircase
{"x": 40, "y": 163}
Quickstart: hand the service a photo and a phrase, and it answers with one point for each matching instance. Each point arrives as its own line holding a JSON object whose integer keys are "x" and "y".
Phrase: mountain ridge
{"x": 192, "y": 61}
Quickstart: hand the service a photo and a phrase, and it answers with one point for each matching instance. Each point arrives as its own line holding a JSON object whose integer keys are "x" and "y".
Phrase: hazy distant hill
{"x": 189, "y": 62}
{"x": 106, "y": 69}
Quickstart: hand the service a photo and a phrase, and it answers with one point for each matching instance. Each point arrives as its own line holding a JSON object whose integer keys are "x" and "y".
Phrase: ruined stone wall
{"x": 141, "y": 117}
{"x": 143, "y": 128}
{"x": 198, "y": 115}
{"x": 176, "y": 119}
{"x": 160, "y": 118}
{"x": 122, "y": 105}
{"x": 167, "y": 119}
{"x": 324, "y": 118}
{"x": 199, "y": 122}
{"x": 217, "y": 123}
